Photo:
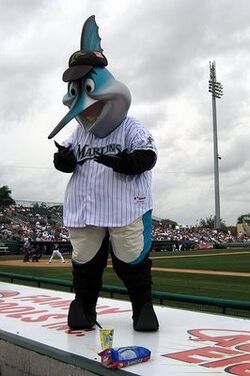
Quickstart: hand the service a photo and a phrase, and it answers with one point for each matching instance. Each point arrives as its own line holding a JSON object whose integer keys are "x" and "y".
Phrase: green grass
{"x": 225, "y": 287}
{"x": 228, "y": 287}
{"x": 230, "y": 263}
{"x": 210, "y": 285}
{"x": 60, "y": 273}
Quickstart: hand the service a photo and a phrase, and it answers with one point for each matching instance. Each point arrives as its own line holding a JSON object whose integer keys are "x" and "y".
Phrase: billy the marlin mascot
{"x": 108, "y": 199}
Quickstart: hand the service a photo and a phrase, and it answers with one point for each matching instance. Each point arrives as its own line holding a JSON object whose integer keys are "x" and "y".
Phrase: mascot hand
{"x": 110, "y": 160}
{"x": 64, "y": 159}
{"x": 126, "y": 163}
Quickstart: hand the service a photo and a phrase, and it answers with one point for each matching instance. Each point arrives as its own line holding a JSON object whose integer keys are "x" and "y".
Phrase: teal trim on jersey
{"x": 147, "y": 223}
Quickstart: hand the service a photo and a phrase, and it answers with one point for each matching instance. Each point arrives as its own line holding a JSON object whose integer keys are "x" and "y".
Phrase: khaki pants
{"x": 130, "y": 243}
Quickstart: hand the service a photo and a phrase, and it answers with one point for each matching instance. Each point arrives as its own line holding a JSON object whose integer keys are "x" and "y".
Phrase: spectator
{"x": 19, "y": 223}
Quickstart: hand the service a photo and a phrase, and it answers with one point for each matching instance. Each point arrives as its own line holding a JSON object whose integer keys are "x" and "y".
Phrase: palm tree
{"x": 5, "y": 198}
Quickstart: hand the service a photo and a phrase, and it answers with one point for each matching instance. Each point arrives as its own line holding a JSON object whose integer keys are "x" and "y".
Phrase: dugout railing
{"x": 222, "y": 306}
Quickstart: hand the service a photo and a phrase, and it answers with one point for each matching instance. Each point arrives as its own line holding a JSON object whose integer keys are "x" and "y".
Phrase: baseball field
{"x": 212, "y": 273}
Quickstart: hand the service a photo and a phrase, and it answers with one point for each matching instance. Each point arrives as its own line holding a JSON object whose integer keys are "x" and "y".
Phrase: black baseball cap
{"x": 81, "y": 62}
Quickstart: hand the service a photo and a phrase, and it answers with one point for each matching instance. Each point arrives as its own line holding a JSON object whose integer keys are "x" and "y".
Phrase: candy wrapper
{"x": 119, "y": 357}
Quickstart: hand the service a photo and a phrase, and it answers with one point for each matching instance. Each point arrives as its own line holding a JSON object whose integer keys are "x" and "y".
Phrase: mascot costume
{"x": 108, "y": 200}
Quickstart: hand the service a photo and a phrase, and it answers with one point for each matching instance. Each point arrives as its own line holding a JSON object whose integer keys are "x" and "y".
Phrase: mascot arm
{"x": 126, "y": 163}
{"x": 64, "y": 159}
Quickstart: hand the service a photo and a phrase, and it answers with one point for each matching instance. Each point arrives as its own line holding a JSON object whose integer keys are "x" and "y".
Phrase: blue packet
{"x": 119, "y": 357}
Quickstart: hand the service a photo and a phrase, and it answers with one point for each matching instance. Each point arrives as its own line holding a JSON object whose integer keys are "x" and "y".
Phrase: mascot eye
{"x": 89, "y": 85}
{"x": 73, "y": 89}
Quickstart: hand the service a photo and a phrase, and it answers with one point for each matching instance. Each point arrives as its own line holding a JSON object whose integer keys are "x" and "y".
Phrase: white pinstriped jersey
{"x": 95, "y": 194}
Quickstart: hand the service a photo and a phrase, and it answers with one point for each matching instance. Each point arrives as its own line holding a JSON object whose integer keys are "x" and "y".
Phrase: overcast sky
{"x": 161, "y": 50}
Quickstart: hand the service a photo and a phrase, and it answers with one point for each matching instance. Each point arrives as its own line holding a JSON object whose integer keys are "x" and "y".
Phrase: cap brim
{"x": 75, "y": 72}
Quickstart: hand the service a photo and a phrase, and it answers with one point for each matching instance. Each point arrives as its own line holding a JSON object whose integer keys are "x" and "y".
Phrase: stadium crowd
{"x": 198, "y": 237}
{"x": 21, "y": 223}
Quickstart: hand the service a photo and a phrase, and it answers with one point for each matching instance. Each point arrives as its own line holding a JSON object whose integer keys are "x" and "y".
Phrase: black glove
{"x": 64, "y": 159}
{"x": 110, "y": 160}
{"x": 129, "y": 163}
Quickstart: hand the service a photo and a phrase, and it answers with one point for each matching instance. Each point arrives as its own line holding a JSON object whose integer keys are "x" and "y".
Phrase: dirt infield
{"x": 40, "y": 264}
{"x": 202, "y": 271}
{"x": 67, "y": 264}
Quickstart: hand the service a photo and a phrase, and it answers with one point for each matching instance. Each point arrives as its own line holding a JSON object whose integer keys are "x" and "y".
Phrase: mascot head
{"x": 95, "y": 99}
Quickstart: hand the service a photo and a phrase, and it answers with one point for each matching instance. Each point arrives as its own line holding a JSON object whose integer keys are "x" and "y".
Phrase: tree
{"x": 5, "y": 198}
{"x": 244, "y": 218}
{"x": 209, "y": 223}
{"x": 39, "y": 209}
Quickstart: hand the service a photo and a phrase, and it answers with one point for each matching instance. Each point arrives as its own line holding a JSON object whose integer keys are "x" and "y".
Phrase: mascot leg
{"x": 87, "y": 283}
{"x": 138, "y": 281}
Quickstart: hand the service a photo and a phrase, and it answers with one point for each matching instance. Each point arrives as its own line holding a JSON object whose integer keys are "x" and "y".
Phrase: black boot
{"x": 87, "y": 283}
{"x": 138, "y": 281}
{"x": 79, "y": 317}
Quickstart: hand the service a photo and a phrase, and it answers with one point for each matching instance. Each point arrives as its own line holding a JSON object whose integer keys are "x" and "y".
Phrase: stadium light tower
{"x": 216, "y": 89}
